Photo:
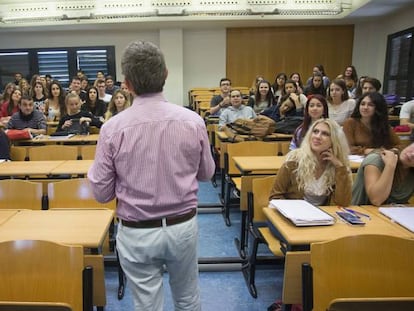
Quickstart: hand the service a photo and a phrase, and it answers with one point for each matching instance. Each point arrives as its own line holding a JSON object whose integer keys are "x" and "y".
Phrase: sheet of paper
{"x": 401, "y": 215}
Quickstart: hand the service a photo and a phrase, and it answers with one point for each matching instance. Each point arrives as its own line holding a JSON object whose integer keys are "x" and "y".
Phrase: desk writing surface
{"x": 259, "y": 164}
{"x": 274, "y": 136}
{"x": 306, "y": 235}
{"x": 46, "y": 139}
{"x": 76, "y": 226}
{"x": 374, "y": 210}
{"x": 72, "y": 167}
{"x": 6, "y": 214}
{"x": 27, "y": 168}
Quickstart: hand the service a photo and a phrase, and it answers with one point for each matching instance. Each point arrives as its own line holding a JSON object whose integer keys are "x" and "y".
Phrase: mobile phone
{"x": 350, "y": 218}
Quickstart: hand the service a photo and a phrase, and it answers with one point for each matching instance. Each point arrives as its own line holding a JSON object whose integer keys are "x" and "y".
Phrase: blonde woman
{"x": 119, "y": 102}
{"x": 319, "y": 168}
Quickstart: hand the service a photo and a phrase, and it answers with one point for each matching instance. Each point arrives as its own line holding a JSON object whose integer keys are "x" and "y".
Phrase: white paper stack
{"x": 401, "y": 215}
{"x": 302, "y": 213}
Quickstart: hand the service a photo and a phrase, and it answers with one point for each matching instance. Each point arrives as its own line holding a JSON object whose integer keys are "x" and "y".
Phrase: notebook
{"x": 401, "y": 215}
{"x": 302, "y": 213}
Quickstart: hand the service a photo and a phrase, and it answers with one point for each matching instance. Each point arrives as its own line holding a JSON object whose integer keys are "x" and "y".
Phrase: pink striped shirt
{"x": 150, "y": 157}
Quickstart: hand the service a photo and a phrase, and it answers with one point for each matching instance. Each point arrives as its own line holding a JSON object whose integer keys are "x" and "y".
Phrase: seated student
{"x": 75, "y": 119}
{"x": 318, "y": 171}
{"x": 10, "y": 107}
{"x": 339, "y": 104}
{"x": 4, "y": 146}
{"x": 316, "y": 86}
{"x": 385, "y": 177}
{"x": 286, "y": 108}
{"x": 93, "y": 104}
{"x": 219, "y": 102}
{"x": 236, "y": 111}
{"x": 367, "y": 85}
{"x": 299, "y": 99}
{"x": 110, "y": 85}
{"x": 263, "y": 98}
{"x": 119, "y": 102}
{"x": 368, "y": 128}
{"x": 28, "y": 118}
{"x": 316, "y": 108}
{"x": 407, "y": 114}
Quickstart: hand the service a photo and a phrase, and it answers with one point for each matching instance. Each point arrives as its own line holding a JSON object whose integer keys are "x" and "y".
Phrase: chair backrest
{"x": 33, "y": 306}
{"x": 362, "y": 266}
{"x": 20, "y": 194}
{"x": 53, "y": 152}
{"x": 74, "y": 193}
{"x": 249, "y": 148}
{"x": 260, "y": 192}
{"x": 18, "y": 153}
{"x": 87, "y": 152}
{"x": 371, "y": 304}
{"x": 41, "y": 271}
{"x": 284, "y": 147}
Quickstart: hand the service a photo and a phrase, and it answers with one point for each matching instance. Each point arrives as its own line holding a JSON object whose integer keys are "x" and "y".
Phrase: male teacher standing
{"x": 151, "y": 157}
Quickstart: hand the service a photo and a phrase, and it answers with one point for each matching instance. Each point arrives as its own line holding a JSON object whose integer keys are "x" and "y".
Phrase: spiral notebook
{"x": 301, "y": 213}
{"x": 401, "y": 215}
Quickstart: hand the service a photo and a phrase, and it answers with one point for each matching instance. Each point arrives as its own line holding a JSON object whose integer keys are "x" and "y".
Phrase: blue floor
{"x": 222, "y": 289}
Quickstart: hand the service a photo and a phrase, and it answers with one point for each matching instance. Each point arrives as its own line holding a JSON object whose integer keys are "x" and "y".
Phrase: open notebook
{"x": 401, "y": 215}
{"x": 302, "y": 213}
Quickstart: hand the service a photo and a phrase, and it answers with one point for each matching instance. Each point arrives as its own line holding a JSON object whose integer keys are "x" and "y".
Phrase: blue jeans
{"x": 143, "y": 253}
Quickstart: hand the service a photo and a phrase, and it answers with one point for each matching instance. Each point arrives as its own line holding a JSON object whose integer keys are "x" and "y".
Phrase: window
{"x": 92, "y": 61}
{"x": 399, "y": 65}
{"x": 11, "y": 63}
{"x": 54, "y": 63}
{"x": 60, "y": 63}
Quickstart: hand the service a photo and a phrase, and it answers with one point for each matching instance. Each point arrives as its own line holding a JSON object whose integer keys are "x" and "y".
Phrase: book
{"x": 404, "y": 216}
{"x": 302, "y": 213}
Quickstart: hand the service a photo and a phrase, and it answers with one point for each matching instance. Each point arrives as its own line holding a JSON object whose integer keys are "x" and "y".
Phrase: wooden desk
{"x": 46, "y": 139}
{"x": 6, "y": 214}
{"x": 78, "y": 226}
{"x": 374, "y": 210}
{"x": 270, "y": 164}
{"x": 28, "y": 168}
{"x": 252, "y": 167}
{"x": 274, "y": 136}
{"x": 259, "y": 164}
{"x": 67, "y": 226}
{"x": 72, "y": 167}
{"x": 297, "y": 241}
{"x": 300, "y": 238}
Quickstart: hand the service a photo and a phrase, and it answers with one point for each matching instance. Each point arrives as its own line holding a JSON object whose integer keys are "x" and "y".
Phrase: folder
{"x": 302, "y": 213}
{"x": 404, "y": 216}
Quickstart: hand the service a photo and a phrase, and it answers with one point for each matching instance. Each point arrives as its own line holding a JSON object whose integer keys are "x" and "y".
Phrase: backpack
{"x": 258, "y": 127}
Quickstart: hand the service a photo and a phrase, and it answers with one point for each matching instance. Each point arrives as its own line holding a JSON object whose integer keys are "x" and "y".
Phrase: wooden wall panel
{"x": 268, "y": 51}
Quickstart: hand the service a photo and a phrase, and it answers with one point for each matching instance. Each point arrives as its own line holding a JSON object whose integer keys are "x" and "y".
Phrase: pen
{"x": 352, "y": 212}
{"x": 357, "y": 213}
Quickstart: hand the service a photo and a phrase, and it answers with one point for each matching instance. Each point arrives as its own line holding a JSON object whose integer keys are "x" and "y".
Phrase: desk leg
{"x": 242, "y": 243}
{"x": 222, "y": 185}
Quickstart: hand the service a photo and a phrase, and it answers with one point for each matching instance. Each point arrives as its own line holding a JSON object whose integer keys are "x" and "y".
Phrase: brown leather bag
{"x": 258, "y": 127}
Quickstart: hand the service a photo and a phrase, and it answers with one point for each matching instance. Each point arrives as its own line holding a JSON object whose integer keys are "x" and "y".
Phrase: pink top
{"x": 3, "y": 110}
{"x": 151, "y": 156}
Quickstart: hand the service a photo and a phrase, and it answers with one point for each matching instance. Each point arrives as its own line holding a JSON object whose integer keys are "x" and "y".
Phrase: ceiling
{"x": 25, "y": 15}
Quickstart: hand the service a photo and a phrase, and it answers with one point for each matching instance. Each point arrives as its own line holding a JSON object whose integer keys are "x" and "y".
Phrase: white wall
{"x": 197, "y": 57}
{"x": 370, "y": 41}
{"x": 194, "y": 58}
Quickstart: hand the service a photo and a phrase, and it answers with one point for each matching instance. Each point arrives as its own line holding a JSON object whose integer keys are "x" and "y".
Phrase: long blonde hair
{"x": 308, "y": 162}
{"x": 111, "y": 106}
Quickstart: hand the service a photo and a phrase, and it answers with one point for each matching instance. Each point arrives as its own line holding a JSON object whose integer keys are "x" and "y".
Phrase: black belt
{"x": 155, "y": 223}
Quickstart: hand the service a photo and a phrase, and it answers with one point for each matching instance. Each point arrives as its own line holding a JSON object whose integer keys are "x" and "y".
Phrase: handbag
{"x": 13, "y": 134}
{"x": 258, "y": 127}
